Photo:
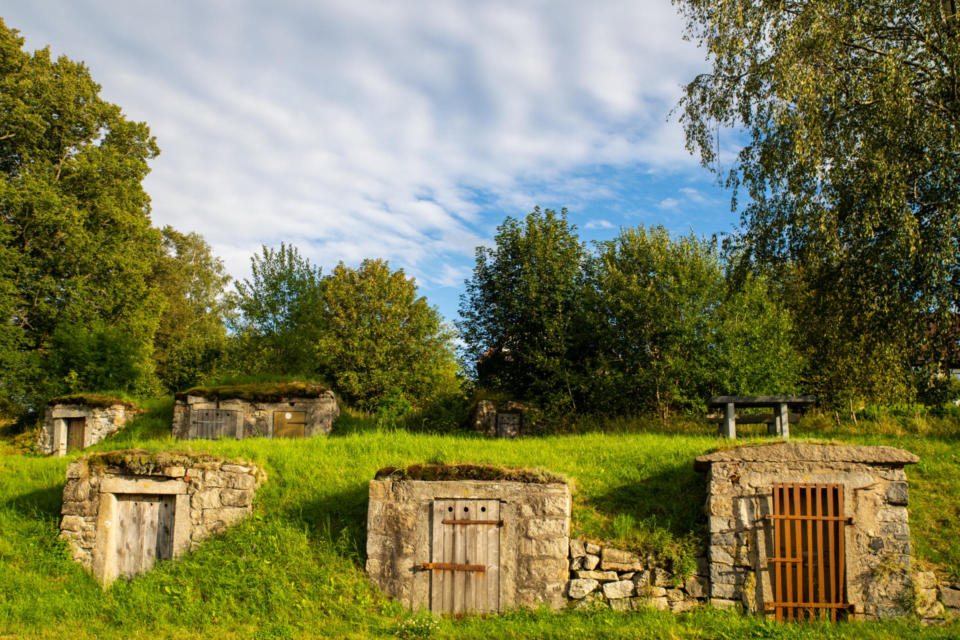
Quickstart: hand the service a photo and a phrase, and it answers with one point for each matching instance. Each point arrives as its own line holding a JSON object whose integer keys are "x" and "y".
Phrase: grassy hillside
{"x": 295, "y": 569}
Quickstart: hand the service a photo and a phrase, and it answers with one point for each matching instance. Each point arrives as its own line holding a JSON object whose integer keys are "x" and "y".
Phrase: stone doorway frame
{"x": 61, "y": 416}
{"x": 104, "y": 552}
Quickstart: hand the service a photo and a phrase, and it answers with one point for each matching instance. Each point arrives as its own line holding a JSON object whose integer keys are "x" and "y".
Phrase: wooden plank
{"x": 76, "y": 432}
{"x": 452, "y": 566}
{"x": 777, "y": 579}
{"x": 751, "y": 418}
{"x": 788, "y": 551}
{"x": 459, "y": 557}
{"x": 469, "y": 535}
{"x": 437, "y": 578}
{"x": 472, "y": 522}
{"x": 841, "y": 555}
{"x": 492, "y": 546}
{"x": 821, "y": 500}
{"x": 762, "y": 401}
{"x": 783, "y": 421}
{"x": 832, "y": 595}
{"x": 730, "y": 423}
{"x": 150, "y": 517}
{"x": 811, "y": 556}
{"x": 165, "y": 526}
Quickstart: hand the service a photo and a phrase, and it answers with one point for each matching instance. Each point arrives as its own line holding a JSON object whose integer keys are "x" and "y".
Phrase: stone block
{"x": 696, "y": 587}
{"x": 214, "y": 478}
{"x": 642, "y": 578}
{"x": 592, "y": 549}
{"x": 618, "y": 589}
{"x": 925, "y": 580}
{"x": 552, "y": 547}
{"x": 175, "y": 472}
{"x": 680, "y": 606}
{"x": 662, "y": 577}
{"x": 576, "y": 548}
{"x": 240, "y": 481}
{"x": 87, "y": 508}
{"x": 723, "y": 603}
{"x": 602, "y": 576}
{"x": 546, "y": 528}
{"x": 897, "y": 493}
{"x": 723, "y": 591}
{"x": 892, "y": 514}
{"x": 618, "y": 560}
{"x": 674, "y": 595}
{"x": 207, "y": 499}
{"x": 76, "y": 491}
{"x": 580, "y": 587}
{"x": 576, "y": 563}
{"x": 72, "y": 523}
{"x": 650, "y": 591}
{"x": 590, "y": 561}
{"x": 950, "y": 597}
{"x": 236, "y": 498}
{"x": 235, "y": 468}
{"x": 628, "y": 575}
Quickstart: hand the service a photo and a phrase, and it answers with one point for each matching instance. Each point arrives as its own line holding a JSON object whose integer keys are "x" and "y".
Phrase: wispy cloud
{"x": 598, "y": 224}
{"x": 366, "y": 129}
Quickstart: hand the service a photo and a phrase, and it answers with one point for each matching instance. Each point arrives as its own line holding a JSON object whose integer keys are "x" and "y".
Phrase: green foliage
{"x": 672, "y": 330}
{"x": 849, "y": 113}
{"x": 381, "y": 343}
{"x": 521, "y": 309}
{"x": 277, "y": 330}
{"x": 191, "y": 336}
{"x": 259, "y": 391}
{"x": 76, "y": 246}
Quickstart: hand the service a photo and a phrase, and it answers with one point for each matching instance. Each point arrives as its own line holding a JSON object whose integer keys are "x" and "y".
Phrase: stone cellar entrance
{"x": 76, "y": 433}
{"x": 808, "y": 569}
{"x": 465, "y": 556}
{"x": 145, "y": 532}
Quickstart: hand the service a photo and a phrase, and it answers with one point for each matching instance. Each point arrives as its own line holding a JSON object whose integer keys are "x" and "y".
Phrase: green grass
{"x": 295, "y": 568}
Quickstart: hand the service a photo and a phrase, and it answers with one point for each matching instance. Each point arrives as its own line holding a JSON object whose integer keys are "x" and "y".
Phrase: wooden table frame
{"x": 781, "y": 406}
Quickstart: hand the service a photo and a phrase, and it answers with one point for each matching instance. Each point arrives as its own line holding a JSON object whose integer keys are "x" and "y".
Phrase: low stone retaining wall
{"x": 937, "y": 600}
{"x": 605, "y": 576}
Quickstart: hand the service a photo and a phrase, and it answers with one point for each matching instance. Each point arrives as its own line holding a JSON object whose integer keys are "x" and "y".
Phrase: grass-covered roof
{"x": 143, "y": 462}
{"x": 257, "y": 391}
{"x": 467, "y": 472}
{"x": 97, "y": 400}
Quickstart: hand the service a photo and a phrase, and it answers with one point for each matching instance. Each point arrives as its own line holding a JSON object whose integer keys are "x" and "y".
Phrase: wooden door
{"x": 144, "y": 532}
{"x": 465, "y": 556}
{"x": 289, "y": 424}
{"x": 808, "y": 570}
{"x": 212, "y": 424}
{"x": 76, "y": 433}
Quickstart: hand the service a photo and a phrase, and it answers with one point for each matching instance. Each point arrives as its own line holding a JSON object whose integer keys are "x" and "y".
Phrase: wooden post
{"x": 730, "y": 423}
{"x": 784, "y": 421}
{"x": 775, "y": 428}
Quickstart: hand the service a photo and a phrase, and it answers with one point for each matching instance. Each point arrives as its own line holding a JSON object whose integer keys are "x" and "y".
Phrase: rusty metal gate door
{"x": 76, "y": 430}
{"x": 213, "y": 423}
{"x": 808, "y": 568}
{"x": 144, "y": 533}
{"x": 465, "y": 556}
{"x": 289, "y": 424}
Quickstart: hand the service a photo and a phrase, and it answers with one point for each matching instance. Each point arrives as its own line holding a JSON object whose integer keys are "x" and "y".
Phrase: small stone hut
{"x": 809, "y": 530}
{"x": 467, "y": 538}
{"x": 124, "y": 510}
{"x": 500, "y": 419}
{"x": 267, "y": 410}
{"x": 75, "y": 422}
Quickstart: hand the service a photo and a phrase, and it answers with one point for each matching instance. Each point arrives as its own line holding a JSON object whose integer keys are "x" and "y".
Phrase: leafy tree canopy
{"x": 76, "y": 246}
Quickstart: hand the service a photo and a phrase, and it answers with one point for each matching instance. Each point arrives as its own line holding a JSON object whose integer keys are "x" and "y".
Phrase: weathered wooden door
{"x": 289, "y": 424}
{"x": 465, "y": 556}
{"x": 144, "y": 532}
{"x": 213, "y": 423}
{"x": 508, "y": 425}
{"x": 808, "y": 568}
{"x": 76, "y": 432}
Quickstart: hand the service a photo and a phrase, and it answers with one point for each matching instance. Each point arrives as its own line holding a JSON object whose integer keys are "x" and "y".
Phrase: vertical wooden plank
{"x": 777, "y": 553}
{"x": 811, "y": 557}
{"x": 165, "y": 525}
{"x": 459, "y": 556}
{"x": 828, "y": 555}
{"x": 469, "y": 535}
{"x": 437, "y": 578}
{"x": 821, "y": 500}
{"x": 150, "y": 517}
{"x": 449, "y": 556}
{"x": 492, "y": 535}
{"x": 788, "y": 551}
{"x": 841, "y": 553}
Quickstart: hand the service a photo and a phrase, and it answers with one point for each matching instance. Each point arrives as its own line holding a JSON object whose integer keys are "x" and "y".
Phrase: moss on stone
{"x": 95, "y": 400}
{"x": 257, "y": 391}
{"x": 144, "y": 463}
{"x": 437, "y": 472}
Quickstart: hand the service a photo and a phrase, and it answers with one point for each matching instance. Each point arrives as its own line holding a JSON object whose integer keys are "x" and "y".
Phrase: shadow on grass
{"x": 338, "y": 519}
{"x": 662, "y": 507}
{"x": 42, "y": 503}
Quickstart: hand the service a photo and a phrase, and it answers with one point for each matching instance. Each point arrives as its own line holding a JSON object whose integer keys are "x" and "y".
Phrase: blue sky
{"x": 403, "y": 130}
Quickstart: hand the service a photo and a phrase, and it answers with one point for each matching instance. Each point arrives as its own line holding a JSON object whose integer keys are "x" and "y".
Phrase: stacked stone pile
{"x": 937, "y": 600}
{"x": 605, "y": 576}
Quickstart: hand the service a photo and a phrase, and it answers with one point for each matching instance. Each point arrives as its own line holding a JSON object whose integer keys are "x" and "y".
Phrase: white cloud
{"x": 668, "y": 203}
{"x": 366, "y": 129}
{"x": 598, "y": 224}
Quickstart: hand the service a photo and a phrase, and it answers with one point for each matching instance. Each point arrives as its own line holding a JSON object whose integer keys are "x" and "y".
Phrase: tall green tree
{"x": 848, "y": 116}
{"x": 521, "y": 307}
{"x": 672, "y": 329}
{"x": 192, "y": 335}
{"x": 381, "y": 341}
{"x": 277, "y": 326}
{"x": 77, "y": 246}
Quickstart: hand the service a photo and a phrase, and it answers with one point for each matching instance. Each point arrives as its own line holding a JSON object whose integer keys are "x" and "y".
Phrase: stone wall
{"x": 877, "y": 548}
{"x": 210, "y": 494}
{"x": 936, "y": 600}
{"x": 500, "y": 419}
{"x": 256, "y": 418}
{"x": 534, "y": 543}
{"x": 100, "y": 423}
{"x": 606, "y": 576}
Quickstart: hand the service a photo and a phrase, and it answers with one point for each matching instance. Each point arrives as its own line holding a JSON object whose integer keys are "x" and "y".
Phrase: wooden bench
{"x": 778, "y": 423}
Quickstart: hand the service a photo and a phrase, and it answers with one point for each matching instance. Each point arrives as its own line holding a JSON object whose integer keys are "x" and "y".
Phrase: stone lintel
{"x": 143, "y": 485}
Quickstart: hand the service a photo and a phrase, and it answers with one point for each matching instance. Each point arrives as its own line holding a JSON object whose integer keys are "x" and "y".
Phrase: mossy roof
{"x": 144, "y": 463}
{"x": 808, "y": 452}
{"x": 467, "y": 471}
{"x": 257, "y": 391}
{"x": 97, "y": 400}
